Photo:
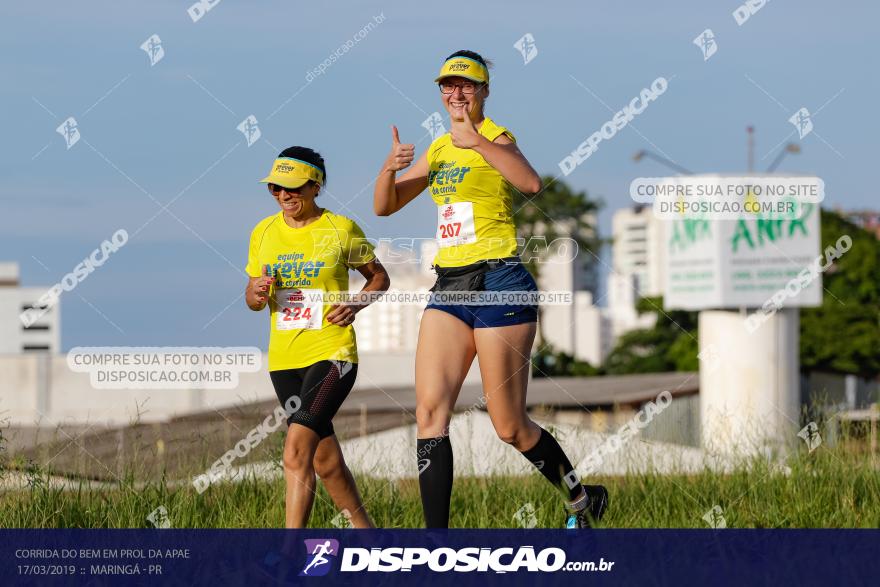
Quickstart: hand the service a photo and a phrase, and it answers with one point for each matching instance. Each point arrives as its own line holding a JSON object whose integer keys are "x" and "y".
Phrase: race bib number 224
{"x": 299, "y": 308}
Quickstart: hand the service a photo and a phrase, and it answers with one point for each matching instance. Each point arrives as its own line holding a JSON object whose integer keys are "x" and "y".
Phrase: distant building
{"x": 638, "y": 248}
{"x": 44, "y": 334}
{"x": 578, "y": 329}
{"x": 567, "y": 267}
{"x": 389, "y": 325}
{"x": 638, "y": 269}
{"x": 621, "y": 310}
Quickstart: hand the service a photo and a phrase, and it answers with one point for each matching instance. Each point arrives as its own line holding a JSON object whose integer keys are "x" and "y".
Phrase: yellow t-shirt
{"x": 474, "y": 203}
{"x": 307, "y": 263}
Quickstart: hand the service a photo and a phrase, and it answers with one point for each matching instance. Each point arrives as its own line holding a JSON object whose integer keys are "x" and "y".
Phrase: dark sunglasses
{"x": 275, "y": 188}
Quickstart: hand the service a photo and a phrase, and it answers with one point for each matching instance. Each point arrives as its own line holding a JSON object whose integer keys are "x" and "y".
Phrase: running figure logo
{"x": 706, "y": 42}
{"x": 709, "y": 358}
{"x": 802, "y": 122}
{"x": 159, "y": 517}
{"x": 526, "y": 47}
{"x": 525, "y": 516}
{"x": 250, "y": 129}
{"x": 434, "y": 125}
{"x": 318, "y": 550}
{"x": 810, "y": 434}
{"x": 153, "y": 48}
{"x": 343, "y": 363}
{"x": 70, "y": 131}
{"x": 715, "y": 517}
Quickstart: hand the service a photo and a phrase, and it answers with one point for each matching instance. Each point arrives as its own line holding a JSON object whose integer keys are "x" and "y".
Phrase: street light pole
{"x": 750, "y": 147}
{"x": 789, "y": 148}
{"x": 664, "y": 161}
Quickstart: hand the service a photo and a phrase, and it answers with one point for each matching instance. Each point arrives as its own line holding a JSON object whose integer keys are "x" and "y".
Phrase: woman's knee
{"x": 433, "y": 418}
{"x": 328, "y": 465}
{"x": 517, "y": 434}
{"x": 298, "y": 453}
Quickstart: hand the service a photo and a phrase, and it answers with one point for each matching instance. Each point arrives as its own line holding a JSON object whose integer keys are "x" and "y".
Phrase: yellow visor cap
{"x": 464, "y": 67}
{"x": 293, "y": 173}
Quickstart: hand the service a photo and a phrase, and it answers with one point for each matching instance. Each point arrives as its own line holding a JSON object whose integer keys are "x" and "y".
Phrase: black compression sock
{"x": 435, "y": 479}
{"x": 549, "y": 458}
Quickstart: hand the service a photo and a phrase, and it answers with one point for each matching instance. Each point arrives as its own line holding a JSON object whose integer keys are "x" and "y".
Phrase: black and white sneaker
{"x": 597, "y": 501}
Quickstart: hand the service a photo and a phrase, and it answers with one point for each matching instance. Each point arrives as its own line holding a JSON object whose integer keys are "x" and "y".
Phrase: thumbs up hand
{"x": 464, "y": 133}
{"x": 401, "y": 154}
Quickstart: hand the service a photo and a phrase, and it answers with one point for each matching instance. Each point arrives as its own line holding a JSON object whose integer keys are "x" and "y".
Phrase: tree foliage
{"x": 671, "y": 345}
{"x": 557, "y": 211}
{"x": 842, "y": 335}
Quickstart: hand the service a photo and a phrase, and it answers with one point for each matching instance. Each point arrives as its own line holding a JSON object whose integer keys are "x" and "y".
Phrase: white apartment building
{"x": 390, "y": 325}
{"x": 638, "y": 271}
{"x": 621, "y": 311}
{"x": 578, "y": 329}
{"x": 43, "y": 335}
{"x": 638, "y": 248}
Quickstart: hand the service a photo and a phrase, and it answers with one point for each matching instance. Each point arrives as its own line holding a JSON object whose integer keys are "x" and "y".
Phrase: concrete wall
{"x": 842, "y": 392}
{"x": 678, "y": 423}
{"x": 39, "y": 389}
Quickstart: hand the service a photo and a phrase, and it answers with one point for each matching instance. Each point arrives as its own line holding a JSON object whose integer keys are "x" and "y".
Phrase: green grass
{"x": 832, "y": 487}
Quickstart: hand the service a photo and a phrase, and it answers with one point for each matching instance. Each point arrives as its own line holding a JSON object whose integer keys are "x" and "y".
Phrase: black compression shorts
{"x": 321, "y": 387}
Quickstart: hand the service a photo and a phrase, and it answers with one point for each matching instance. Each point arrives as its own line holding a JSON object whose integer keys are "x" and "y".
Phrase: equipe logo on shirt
{"x": 291, "y": 270}
{"x": 447, "y": 177}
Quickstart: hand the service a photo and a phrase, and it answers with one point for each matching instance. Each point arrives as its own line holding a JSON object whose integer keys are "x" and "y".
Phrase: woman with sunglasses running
{"x": 298, "y": 259}
{"x": 471, "y": 172}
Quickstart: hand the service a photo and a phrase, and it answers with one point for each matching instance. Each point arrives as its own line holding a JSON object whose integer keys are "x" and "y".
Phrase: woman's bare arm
{"x": 391, "y": 193}
{"x": 377, "y": 281}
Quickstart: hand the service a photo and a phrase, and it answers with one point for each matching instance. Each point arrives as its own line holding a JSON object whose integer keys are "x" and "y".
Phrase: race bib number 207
{"x": 455, "y": 224}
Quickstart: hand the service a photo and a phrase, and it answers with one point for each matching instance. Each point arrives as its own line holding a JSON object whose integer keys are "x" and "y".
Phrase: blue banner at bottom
{"x": 397, "y": 557}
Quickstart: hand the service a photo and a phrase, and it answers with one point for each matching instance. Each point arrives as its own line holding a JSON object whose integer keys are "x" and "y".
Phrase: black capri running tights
{"x": 321, "y": 387}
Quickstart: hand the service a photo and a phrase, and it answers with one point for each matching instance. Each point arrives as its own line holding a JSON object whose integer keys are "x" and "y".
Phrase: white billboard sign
{"x": 742, "y": 263}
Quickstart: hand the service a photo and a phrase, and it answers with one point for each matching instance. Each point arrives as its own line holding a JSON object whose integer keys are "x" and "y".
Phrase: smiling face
{"x": 458, "y": 99}
{"x": 296, "y": 202}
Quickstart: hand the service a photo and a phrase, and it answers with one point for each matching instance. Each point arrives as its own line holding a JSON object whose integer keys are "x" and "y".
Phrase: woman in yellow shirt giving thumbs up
{"x": 471, "y": 172}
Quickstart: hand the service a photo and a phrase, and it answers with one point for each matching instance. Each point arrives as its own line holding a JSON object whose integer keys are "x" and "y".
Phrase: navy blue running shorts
{"x": 511, "y": 275}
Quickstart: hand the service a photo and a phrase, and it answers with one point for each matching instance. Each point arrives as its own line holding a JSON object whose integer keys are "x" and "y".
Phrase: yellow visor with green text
{"x": 464, "y": 67}
{"x": 293, "y": 173}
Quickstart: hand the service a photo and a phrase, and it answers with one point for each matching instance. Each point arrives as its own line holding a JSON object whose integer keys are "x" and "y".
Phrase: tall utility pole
{"x": 750, "y": 130}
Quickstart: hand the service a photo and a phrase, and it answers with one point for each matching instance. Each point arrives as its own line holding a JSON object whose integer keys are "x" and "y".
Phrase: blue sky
{"x": 150, "y": 135}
